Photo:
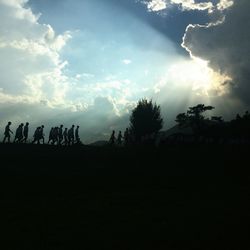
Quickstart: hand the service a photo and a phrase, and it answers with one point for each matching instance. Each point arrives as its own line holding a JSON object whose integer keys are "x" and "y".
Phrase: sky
{"x": 88, "y": 62}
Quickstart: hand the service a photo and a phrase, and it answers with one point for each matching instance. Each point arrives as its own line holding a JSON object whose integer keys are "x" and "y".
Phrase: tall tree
{"x": 197, "y": 111}
{"x": 194, "y": 117}
{"x": 145, "y": 119}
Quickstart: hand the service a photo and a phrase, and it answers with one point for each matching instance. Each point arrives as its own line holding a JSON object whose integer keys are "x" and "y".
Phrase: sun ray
{"x": 197, "y": 74}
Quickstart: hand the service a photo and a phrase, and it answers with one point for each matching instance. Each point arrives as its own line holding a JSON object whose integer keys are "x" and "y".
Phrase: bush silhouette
{"x": 145, "y": 120}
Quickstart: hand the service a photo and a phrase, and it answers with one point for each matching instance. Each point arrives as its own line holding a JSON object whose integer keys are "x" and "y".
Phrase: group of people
{"x": 120, "y": 139}
{"x": 57, "y": 135}
{"x": 60, "y": 136}
{"x": 21, "y": 134}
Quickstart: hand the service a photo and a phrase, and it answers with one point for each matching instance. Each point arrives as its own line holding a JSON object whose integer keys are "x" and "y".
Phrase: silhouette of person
{"x": 119, "y": 138}
{"x": 55, "y": 135}
{"x": 112, "y": 138}
{"x": 71, "y": 135}
{"x": 60, "y": 135}
{"x": 16, "y": 134}
{"x": 126, "y": 136}
{"x": 65, "y": 136}
{"x": 77, "y": 135}
{"x": 25, "y": 132}
{"x": 19, "y": 134}
{"x": 41, "y": 134}
{"x": 7, "y": 132}
{"x": 51, "y": 135}
{"x": 37, "y": 135}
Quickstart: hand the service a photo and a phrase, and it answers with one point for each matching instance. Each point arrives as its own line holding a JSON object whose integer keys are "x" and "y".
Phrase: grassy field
{"x": 179, "y": 197}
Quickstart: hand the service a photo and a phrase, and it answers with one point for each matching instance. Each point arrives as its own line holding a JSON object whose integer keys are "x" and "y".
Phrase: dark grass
{"x": 175, "y": 197}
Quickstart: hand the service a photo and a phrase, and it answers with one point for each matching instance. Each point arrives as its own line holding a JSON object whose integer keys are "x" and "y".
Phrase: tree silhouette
{"x": 145, "y": 120}
{"x": 182, "y": 119}
{"x": 239, "y": 127}
{"x": 218, "y": 119}
{"x": 196, "y": 111}
{"x": 194, "y": 117}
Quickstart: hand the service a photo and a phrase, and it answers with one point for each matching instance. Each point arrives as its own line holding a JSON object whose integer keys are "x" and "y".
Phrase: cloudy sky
{"x": 88, "y": 62}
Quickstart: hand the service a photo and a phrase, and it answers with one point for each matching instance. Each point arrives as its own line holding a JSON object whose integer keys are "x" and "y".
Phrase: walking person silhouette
{"x": 77, "y": 135}
{"x": 119, "y": 138}
{"x": 112, "y": 138}
{"x": 41, "y": 134}
{"x": 65, "y": 137}
{"x": 51, "y": 135}
{"x": 7, "y": 132}
{"x": 25, "y": 132}
{"x": 19, "y": 134}
{"x": 37, "y": 135}
{"x": 55, "y": 136}
{"x": 126, "y": 137}
{"x": 71, "y": 135}
{"x": 60, "y": 135}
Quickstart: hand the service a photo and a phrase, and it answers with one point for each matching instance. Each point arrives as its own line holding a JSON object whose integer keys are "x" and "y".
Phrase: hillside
{"x": 124, "y": 198}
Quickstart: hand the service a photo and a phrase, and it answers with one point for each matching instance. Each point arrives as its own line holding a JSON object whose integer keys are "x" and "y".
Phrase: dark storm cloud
{"x": 226, "y": 46}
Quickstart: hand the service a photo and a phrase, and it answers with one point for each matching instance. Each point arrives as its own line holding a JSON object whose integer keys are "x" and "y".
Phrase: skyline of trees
{"x": 146, "y": 121}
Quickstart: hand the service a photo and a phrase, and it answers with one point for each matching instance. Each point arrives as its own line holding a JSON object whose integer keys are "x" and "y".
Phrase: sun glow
{"x": 197, "y": 74}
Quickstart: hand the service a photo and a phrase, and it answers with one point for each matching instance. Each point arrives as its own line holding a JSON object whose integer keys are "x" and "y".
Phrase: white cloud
{"x": 192, "y": 5}
{"x": 15, "y": 9}
{"x": 84, "y": 76}
{"x": 224, "y": 4}
{"x": 159, "y": 5}
{"x": 202, "y": 79}
{"x": 31, "y": 68}
{"x": 127, "y": 61}
{"x": 156, "y": 5}
{"x": 34, "y": 86}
